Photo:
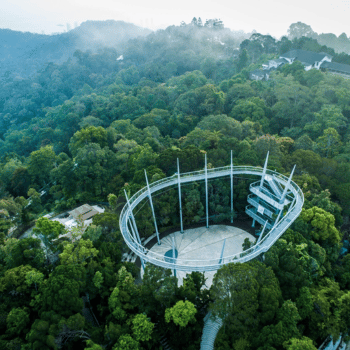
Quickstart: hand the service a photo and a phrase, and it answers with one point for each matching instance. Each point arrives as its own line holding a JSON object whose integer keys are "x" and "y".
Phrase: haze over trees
{"x": 84, "y": 129}
{"x": 340, "y": 44}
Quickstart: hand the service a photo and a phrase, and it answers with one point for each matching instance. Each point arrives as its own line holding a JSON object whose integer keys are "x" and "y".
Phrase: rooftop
{"x": 83, "y": 212}
{"x": 306, "y": 57}
{"x": 345, "y": 68}
{"x": 258, "y": 72}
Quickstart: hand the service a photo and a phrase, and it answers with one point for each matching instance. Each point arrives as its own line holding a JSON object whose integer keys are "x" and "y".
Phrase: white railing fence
{"x": 295, "y": 196}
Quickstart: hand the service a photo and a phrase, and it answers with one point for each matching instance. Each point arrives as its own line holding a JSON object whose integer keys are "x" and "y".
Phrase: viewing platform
{"x": 275, "y": 202}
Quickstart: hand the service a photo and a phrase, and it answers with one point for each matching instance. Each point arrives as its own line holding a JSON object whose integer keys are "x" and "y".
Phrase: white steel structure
{"x": 276, "y": 201}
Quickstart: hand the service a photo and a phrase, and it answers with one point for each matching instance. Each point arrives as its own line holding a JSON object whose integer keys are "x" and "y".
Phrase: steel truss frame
{"x": 126, "y": 220}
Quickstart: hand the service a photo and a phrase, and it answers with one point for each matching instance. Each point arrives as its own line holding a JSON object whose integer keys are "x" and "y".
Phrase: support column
{"x": 151, "y": 202}
{"x": 253, "y": 224}
{"x": 287, "y": 185}
{"x": 294, "y": 200}
{"x": 278, "y": 217}
{"x": 133, "y": 233}
{"x": 134, "y": 229}
{"x": 133, "y": 221}
{"x": 264, "y": 170}
{"x": 261, "y": 234}
{"x": 231, "y": 189}
{"x": 222, "y": 251}
{"x": 174, "y": 256}
{"x": 206, "y": 191}
{"x": 180, "y": 203}
{"x": 142, "y": 263}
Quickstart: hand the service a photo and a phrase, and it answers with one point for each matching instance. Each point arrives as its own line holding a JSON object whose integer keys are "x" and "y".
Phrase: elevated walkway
{"x": 257, "y": 202}
{"x": 270, "y": 199}
{"x": 259, "y": 217}
{"x": 210, "y": 330}
{"x": 267, "y": 196}
{"x": 276, "y": 189}
{"x": 292, "y": 206}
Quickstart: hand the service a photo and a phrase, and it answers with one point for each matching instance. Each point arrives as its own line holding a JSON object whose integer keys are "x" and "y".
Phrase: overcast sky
{"x": 267, "y": 16}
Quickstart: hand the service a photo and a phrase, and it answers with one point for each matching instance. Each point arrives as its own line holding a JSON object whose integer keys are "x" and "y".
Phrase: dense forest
{"x": 83, "y": 131}
{"x": 23, "y": 54}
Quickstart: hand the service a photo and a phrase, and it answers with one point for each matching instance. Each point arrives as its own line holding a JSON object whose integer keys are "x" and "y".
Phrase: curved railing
{"x": 295, "y": 196}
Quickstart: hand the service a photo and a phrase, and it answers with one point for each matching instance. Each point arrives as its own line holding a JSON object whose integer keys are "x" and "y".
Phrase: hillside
{"x": 340, "y": 44}
{"x": 24, "y": 53}
{"x": 84, "y": 130}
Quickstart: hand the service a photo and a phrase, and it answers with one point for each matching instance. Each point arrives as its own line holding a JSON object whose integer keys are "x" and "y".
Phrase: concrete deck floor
{"x": 204, "y": 243}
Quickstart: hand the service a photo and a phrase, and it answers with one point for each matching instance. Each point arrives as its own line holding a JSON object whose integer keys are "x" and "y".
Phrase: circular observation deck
{"x": 289, "y": 203}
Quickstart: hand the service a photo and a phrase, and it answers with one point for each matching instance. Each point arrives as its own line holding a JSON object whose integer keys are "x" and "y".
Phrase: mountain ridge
{"x": 23, "y": 53}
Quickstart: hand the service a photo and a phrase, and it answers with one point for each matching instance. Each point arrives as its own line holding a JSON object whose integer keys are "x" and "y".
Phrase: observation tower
{"x": 275, "y": 202}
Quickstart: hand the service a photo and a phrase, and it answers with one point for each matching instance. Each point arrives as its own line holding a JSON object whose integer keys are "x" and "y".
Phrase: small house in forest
{"x": 258, "y": 74}
{"x": 82, "y": 214}
{"x": 309, "y": 59}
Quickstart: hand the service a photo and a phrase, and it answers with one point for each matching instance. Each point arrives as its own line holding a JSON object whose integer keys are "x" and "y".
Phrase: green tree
{"x": 20, "y": 181}
{"x": 90, "y": 345}
{"x": 202, "y": 101}
{"x": 157, "y": 117}
{"x": 300, "y": 344}
{"x": 296, "y": 30}
{"x": 142, "y": 328}
{"x": 292, "y": 266}
{"x": 126, "y": 342}
{"x": 193, "y": 208}
{"x": 34, "y": 277}
{"x": 115, "y": 305}
{"x": 304, "y": 303}
{"x": 144, "y": 157}
{"x": 245, "y": 295}
{"x": 64, "y": 178}
{"x": 41, "y": 162}
{"x": 325, "y": 319}
{"x": 321, "y": 225}
{"x": 91, "y": 134}
{"x": 61, "y": 291}
{"x": 43, "y": 332}
{"x": 5, "y": 222}
{"x": 124, "y": 149}
{"x": 187, "y": 81}
{"x": 13, "y": 209}
{"x": 35, "y": 200}
{"x": 267, "y": 143}
{"x": 304, "y": 142}
{"x": 236, "y": 93}
{"x": 293, "y": 102}
{"x": 344, "y": 313}
{"x": 26, "y": 251}
{"x": 48, "y": 231}
{"x": 157, "y": 290}
{"x": 181, "y": 313}
{"x": 17, "y": 321}
{"x": 247, "y": 244}
{"x": 98, "y": 279}
{"x": 243, "y": 60}
{"x": 253, "y": 109}
{"x": 95, "y": 167}
{"x": 329, "y": 143}
{"x": 225, "y": 125}
{"x": 288, "y": 314}
{"x": 8, "y": 170}
{"x": 330, "y": 116}
{"x": 13, "y": 283}
{"x": 78, "y": 254}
